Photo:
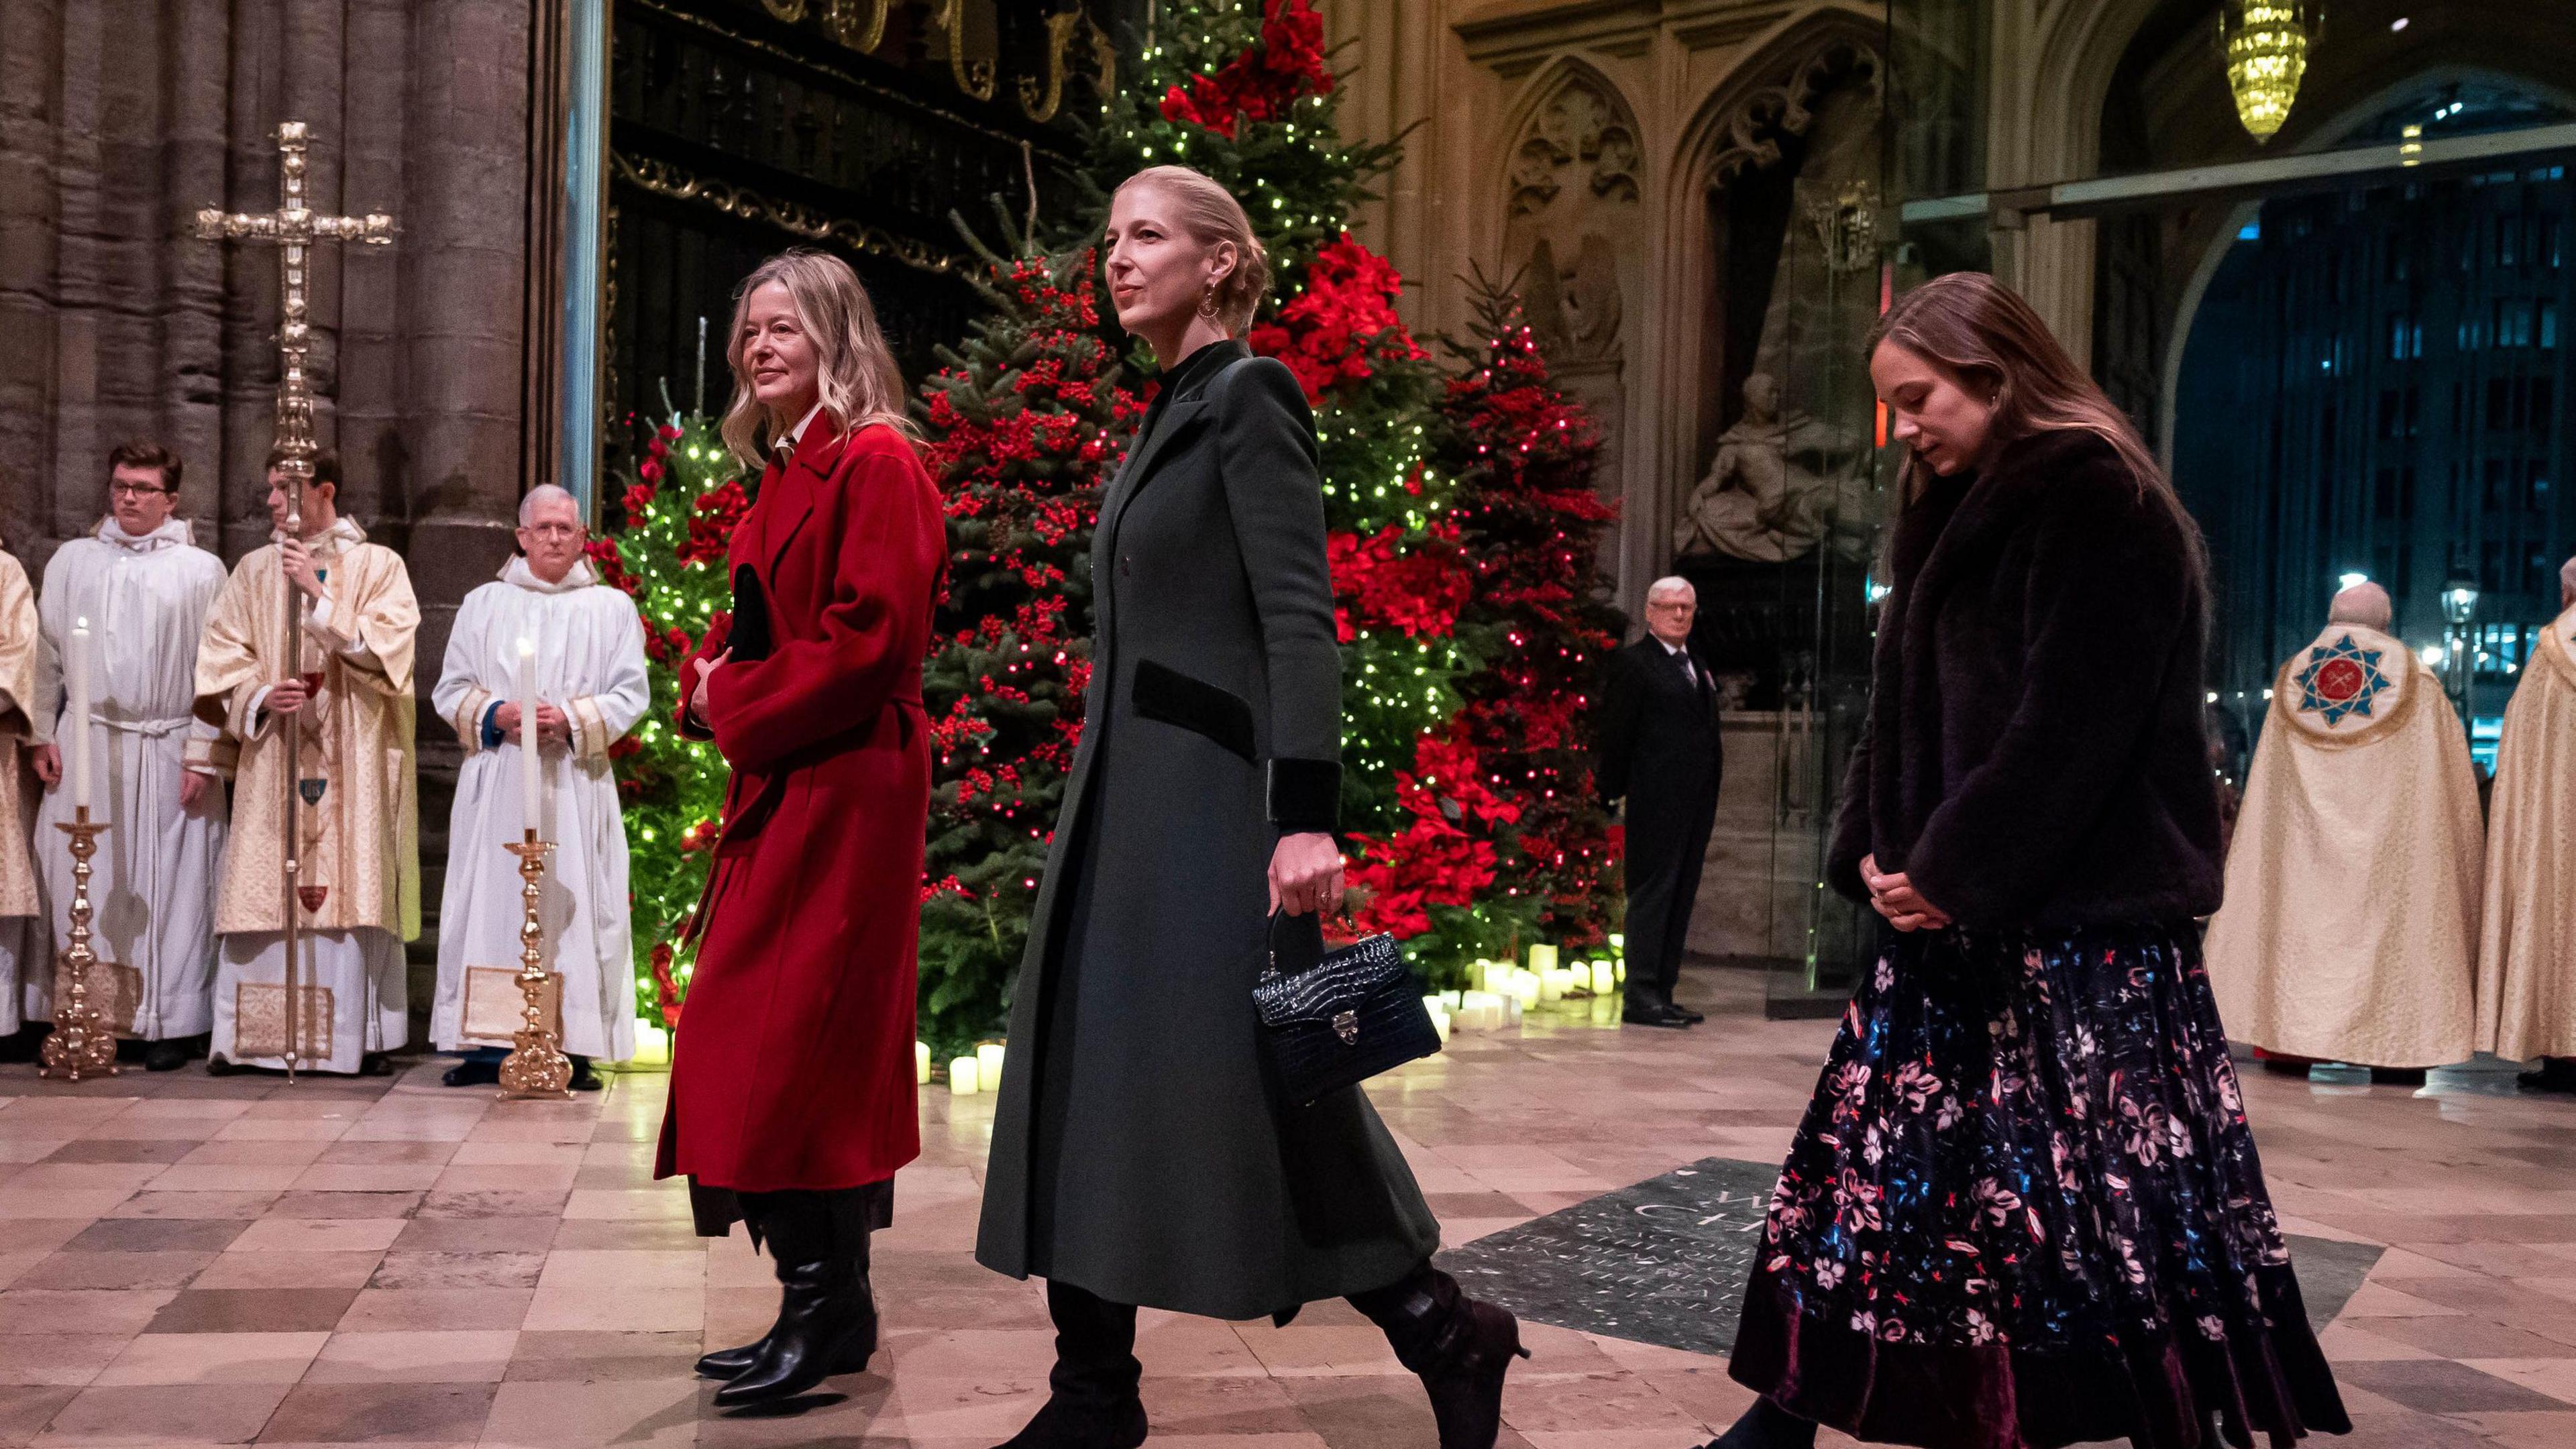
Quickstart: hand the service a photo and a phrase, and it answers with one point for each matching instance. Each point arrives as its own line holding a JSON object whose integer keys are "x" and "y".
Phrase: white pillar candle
{"x": 77, "y": 677}
{"x": 1551, "y": 984}
{"x": 961, "y": 1077}
{"x": 1542, "y": 958}
{"x": 1602, "y": 982}
{"x": 528, "y": 798}
{"x": 988, "y": 1066}
{"x": 921, "y": 1063}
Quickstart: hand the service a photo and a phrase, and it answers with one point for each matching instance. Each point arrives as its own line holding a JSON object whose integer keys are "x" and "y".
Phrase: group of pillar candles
{"x": 1500, "y": 992}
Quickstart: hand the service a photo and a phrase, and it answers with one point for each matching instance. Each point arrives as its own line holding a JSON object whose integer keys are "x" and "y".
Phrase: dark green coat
{"x": 1213, "y": 723}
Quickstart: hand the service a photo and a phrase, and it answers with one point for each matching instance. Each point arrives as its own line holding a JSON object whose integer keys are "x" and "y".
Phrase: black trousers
{"x": 1095, "y": 1340}
{"x": 1665, "y": 853}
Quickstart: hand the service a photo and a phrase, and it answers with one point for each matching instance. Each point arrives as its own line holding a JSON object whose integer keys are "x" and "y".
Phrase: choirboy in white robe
{"x": 590, "y": 664}
{"x": 152, "y": 883}
{"x": 2350, "y": 926}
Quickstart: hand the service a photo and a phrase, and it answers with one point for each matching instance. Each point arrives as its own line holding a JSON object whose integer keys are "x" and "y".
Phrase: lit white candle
{"x": 961, "y": 1076}
{"x": 921, "y": 1063}
{"x": 77, "y": 672}
{"x": 528, "y": 729}
{"x": 988, "y": 1066}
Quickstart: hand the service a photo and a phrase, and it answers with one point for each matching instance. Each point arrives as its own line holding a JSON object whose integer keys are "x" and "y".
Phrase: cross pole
{"x": 293, "y": 229}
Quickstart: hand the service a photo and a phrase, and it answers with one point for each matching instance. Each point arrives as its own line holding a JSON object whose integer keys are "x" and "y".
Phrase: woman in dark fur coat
{"x": 2024, "y": 1209}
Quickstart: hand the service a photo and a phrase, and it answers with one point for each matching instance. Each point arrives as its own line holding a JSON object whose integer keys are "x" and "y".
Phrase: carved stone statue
{"x": 1768, "y": 494}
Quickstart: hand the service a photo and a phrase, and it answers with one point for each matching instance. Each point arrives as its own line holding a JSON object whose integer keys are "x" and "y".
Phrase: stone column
{"x": 30, "y": 219}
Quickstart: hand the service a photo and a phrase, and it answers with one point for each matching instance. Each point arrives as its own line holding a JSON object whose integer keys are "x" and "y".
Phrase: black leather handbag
{"x": 1348, "y": 1016}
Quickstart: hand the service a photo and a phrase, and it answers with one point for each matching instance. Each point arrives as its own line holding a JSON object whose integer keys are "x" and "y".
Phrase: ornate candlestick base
{"x": 82, "y": 1042}
{"x": 536, "y": 1067}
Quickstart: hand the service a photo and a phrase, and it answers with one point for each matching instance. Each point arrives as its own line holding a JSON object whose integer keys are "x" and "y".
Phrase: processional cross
{"x": 293, "y": 229}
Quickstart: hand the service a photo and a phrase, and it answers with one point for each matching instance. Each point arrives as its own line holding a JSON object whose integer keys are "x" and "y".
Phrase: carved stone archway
{"x": 1573, "y": 234}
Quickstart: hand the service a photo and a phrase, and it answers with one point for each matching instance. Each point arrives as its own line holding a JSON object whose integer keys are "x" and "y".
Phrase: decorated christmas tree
{"x": 668, "y": 553}
{"x": 1530, "y": 521}
{"x": 1026, "y": 422}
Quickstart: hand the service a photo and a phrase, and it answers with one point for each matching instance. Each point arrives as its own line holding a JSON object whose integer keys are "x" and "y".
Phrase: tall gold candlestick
{"x": 82, "y": 1041}
{"x": 536, "y": 1066}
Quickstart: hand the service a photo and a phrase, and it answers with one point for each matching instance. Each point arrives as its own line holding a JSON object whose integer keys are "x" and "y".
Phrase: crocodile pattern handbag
{"x": 1353, "y": 1014}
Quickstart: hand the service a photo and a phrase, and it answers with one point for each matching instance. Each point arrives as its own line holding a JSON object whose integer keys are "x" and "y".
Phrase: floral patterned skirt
{"x": 2024, "y": 1211}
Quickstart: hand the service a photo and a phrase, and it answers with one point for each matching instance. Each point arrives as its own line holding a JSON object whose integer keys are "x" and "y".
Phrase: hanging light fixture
{"x": 2267, "y": 45}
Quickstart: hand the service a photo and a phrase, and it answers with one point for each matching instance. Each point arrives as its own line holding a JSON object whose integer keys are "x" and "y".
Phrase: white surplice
{"x": 589, "y": 664}
{"x": 152, "y": 883}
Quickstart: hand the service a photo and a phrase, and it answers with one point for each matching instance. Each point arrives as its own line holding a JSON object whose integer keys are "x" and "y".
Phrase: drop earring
{"x": 1207, "y": 303}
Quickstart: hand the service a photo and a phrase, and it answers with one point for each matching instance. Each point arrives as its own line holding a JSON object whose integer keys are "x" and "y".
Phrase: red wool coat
{"x": 793, "y": 1063}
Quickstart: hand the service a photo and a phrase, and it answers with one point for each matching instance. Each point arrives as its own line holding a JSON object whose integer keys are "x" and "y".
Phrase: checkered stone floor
{"x": 187, "y": 1261}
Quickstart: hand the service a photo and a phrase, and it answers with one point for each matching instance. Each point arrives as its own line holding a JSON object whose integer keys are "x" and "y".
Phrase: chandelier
{"x": 2267, "y": 52}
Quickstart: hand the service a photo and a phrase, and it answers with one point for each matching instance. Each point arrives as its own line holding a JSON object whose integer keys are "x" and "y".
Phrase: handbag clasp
{"x": 1346, "y": 1025}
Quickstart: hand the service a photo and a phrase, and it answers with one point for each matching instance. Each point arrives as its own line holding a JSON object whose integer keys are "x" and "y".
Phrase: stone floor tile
{"x": 631, "y": 1414}
{"x": 477, "y": 1235}
{"x": 310, "y": 1203}
{"x": 380, "y": 1309}
{"x": 319, "y": 1235}
{"x": 384, "y": 1154}
{"x": 214, "y": 1358}
{"x": 289, "y": 1270}
{"x": 597, "y": 1354}
{"x": 234, "y": 1152}
{"x": 203, "y": 1205}
{"x": 400, "y": 1269}
{"x": 126, "y": 1311}
{"x": 429, "y": 1356}
{"x": 25, "y": 1409}
{"x": 112, "y": 1149}
{"x": 371, "y": 1413}
{"x": 147, "y": 1235}
{"x": 656, "y": 1309}
{"x": 616, "y": 1268}
{"x": 368, "y": 1177}
{"x": 253, "y": 1310}
{"x": 162, "y": 1416}
{"x": 114, "y": 1270}
{"x": 57, "y": 1358}
{"x": 225, "y": 1177}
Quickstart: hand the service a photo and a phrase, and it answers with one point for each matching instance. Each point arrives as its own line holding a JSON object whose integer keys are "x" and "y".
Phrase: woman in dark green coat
{"x": 1137, "y": 1158}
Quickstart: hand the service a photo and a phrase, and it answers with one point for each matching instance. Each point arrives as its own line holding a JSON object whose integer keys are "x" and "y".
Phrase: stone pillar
{"x": 30, "y": 221}
{"x": 464, "y": 260}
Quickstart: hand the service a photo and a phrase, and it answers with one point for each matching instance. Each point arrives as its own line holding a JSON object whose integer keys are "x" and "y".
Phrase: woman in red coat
{"x": 792, "y": 1078}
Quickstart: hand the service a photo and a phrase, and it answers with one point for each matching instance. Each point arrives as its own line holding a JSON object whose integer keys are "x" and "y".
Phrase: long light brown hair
{"x": 860, "y": 383}
{"x": 1211, "y": 214}
{"x": 1984, "y": 333}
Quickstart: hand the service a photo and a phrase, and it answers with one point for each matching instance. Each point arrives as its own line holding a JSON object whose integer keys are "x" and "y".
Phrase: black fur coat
{"x": 2036, "y": 752}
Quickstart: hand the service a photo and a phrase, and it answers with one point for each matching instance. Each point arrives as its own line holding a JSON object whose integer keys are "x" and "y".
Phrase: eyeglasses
{"x": 555, "y": 532}
{"x": 134, "y": 490}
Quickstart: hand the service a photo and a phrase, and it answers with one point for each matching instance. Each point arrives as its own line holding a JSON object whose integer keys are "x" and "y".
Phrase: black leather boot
{"x": 733, "y": 1363}
{"x": 1460, "y": 1348}
{"x": 1092, "y": 1403}
{"x": 1768, "y": 1426}
{"x": 825, "y": 1314}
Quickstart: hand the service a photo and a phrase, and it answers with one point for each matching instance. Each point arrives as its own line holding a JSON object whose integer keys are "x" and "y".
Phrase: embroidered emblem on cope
{"x": 2342, "y": 678}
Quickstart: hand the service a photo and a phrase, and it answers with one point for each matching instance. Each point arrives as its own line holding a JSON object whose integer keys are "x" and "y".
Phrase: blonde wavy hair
{"x": 1210, "y": 214}
{"x": 860, "y": 383}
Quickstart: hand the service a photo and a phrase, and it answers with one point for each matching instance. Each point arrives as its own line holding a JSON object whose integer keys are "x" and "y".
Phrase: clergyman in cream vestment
{"x": 2350, "y": 928}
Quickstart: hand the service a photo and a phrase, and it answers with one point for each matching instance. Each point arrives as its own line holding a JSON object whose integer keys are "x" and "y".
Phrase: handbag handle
{"x": 1307, "y": 945}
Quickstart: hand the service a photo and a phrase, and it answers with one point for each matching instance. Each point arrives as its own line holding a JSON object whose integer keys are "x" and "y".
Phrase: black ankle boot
{"x": 1092, "y": 1403}
{"x": 1461, "y": 1348}
{"x": 733, "y": 1363}
{"x": 826, "y": 1315}
{"x": 1768, "y": 1426}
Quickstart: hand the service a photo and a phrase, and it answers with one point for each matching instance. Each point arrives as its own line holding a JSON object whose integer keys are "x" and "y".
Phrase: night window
{"x": 2385, "y": 499}
{"x": 2549, "y": 324}
{"x": 2493, "y": 495}
{"x": 2508, "y": 231}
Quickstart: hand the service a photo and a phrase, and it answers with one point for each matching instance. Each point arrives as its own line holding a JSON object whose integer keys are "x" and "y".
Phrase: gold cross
{"x": 292, "y": 228}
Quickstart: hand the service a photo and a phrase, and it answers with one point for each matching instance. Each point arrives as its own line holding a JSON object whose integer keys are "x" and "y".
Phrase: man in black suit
{"x": 1659, "y": 748}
